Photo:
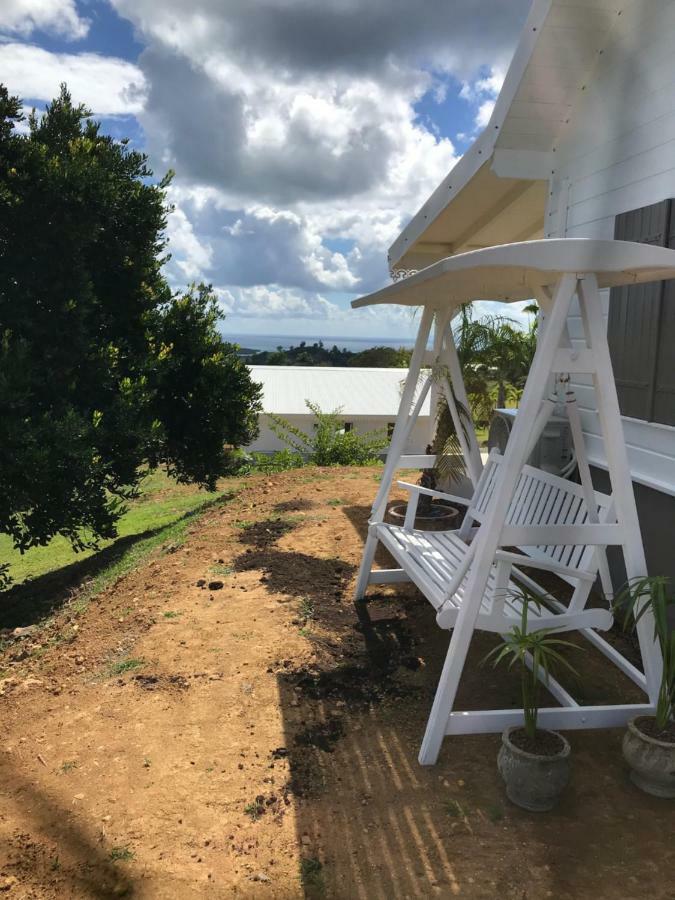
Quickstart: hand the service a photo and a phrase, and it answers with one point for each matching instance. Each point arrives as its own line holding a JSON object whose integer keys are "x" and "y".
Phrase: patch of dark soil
{"x": 265, "y": 533}
{"x": 356, "y": 685}
{"x": 389, "y": 641}
{"x": 323, "y": 736}
{"x": 300, "y": 504}
{"x": 544, "y": 743}
{"x": 647, "y": 725}
{"x": 298, "y": 574}
{"x": 273, "y": 805}
{"x": 161, "y": 682}
{"x": 306, "y": 778}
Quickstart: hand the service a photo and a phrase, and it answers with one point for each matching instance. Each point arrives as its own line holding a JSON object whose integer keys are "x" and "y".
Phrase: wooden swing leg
{"x": 366, "y": 565}
{"x": 514, "y": 459}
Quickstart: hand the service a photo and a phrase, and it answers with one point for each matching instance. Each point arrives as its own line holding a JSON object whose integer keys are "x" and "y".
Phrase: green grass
{"x": 122, "y": 854}
{"x": 311, "y": 875}
{"x": 124, "y": 665}
{"x": 158, "y": 513}
{"x": 253, "y": 811}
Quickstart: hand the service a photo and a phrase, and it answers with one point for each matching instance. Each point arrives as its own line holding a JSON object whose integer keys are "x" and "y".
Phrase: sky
{"x": 304, "y": 134}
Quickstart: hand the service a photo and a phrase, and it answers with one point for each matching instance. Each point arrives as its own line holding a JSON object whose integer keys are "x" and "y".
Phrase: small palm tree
{"x": 654, "y": 593}
{"x": 542, "y": 650}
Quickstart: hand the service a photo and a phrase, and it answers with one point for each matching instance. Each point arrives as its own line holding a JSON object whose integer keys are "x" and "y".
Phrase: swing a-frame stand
{"x": 472, "y": 576}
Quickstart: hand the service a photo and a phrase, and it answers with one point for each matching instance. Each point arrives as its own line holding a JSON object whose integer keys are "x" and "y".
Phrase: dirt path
{"x": 223, "y": 722}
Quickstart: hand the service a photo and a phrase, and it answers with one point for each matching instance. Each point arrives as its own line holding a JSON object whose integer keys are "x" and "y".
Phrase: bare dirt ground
{"x": 224, "y": 723}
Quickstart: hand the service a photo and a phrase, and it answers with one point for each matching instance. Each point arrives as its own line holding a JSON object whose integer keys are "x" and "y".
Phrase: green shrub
{"x": 330, "y": 444}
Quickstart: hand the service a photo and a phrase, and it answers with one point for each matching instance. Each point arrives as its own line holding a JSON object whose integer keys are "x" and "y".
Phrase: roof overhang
{"x": 497, "y": 192}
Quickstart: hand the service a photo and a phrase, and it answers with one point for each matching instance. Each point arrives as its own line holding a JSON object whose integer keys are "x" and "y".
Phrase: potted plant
{"x": 649, "y": 742}
{"x": 534, "y": 762}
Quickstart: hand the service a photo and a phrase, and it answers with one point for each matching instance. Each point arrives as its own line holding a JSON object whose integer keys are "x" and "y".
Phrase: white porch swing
{"x": 470, "y": 576}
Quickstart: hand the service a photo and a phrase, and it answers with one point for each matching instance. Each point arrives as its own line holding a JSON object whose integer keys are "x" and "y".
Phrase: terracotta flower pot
{"x": 651, "y": 761}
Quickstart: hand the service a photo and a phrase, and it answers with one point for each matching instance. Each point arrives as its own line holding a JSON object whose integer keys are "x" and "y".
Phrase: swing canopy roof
{"x": 512, "y": 272}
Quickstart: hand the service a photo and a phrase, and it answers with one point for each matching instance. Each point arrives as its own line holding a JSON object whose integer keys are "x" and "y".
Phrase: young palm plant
{"x": 538, "y": 654}
{"x": 655, "y": 593}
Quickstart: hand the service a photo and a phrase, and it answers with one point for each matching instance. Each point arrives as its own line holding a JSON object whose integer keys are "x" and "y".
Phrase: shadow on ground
{"x": 73, "y": 861}
{"x": 35, "y": 599}
{"x": 373, "y": 823}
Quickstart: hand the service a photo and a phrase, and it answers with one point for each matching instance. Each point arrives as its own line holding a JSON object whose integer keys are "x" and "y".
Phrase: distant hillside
{"x": 318, "y": 354}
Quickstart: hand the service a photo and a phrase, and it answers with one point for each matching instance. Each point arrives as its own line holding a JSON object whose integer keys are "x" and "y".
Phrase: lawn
{"x": 161, "y": 505}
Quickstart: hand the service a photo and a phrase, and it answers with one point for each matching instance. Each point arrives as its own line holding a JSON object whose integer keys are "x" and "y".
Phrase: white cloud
{"x": 484, "y": 112}
{"x": 108, "y": 86}
{"x": 482, "y": 93}
{"x": 294, "y": 135}
{"x": 60, "y": 17}
{"x": 190, "y": 258}
{"x": 270, "y": 301}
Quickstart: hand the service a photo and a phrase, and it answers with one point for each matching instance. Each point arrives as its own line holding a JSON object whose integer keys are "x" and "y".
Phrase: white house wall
{"x": 618, "y": 154}
{"x": 268, "y": 441}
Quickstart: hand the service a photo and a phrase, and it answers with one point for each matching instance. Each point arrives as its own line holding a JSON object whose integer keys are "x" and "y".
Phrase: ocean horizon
{"x": 266, "y": 342}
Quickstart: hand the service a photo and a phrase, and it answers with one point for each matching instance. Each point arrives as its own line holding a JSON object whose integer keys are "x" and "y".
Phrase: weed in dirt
{"x": 55, "y": 864}
{"x": 68, "y": 766}
{"x": 124, "y": 665}
{"x": 335, "y": 501}
{"x": 147, "y": 763}
{"x": 220, "y": 569}
{"x": 495, "y": 812}
{"x": 122, "y": 854}
{"x": 242, "y": 523}
{"x": 307, "y": 610}
{"x": 311, "y": 874}
{"x": 454, "y": 809}
{"x": 238, "y": 636}
{"x": 171, "y": 614}
{"x": 254, "y": 810}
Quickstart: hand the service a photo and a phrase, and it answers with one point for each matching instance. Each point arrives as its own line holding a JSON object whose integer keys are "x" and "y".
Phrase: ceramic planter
{"x": 533, "y": 781}
{"x": 652, "y": 762}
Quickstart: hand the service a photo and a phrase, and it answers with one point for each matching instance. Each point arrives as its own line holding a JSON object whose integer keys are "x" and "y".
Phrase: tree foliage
{"x": 317, "y": 354}
{"x": 103, "y": 371}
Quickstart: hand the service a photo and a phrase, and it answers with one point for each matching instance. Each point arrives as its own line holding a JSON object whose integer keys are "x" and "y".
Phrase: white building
{"x": 581, "y": 143}
{"x": 368, "y": 399}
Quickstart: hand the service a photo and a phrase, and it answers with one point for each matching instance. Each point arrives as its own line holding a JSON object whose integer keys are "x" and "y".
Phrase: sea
{"x": 261, "y": 342}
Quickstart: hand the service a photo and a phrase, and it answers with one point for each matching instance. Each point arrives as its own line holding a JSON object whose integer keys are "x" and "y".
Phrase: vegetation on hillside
{"x": 104, "y": 372}
{"x": 317, "y": 354}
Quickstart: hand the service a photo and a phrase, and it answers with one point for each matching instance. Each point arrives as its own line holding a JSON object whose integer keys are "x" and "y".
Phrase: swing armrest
{"x": 519, "y": 559}
{"x": 418, "y": 489}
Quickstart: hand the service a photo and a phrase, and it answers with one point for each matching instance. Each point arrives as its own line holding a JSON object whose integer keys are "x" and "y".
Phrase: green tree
{"x": 103, "y": 371}
{"x": 382, "y": 357}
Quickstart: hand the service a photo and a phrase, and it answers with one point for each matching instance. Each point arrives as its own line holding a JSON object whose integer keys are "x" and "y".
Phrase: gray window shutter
{"x": 635, "y": 322}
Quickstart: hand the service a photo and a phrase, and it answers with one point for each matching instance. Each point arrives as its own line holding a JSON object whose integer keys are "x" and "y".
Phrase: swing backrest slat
{"x": 541, "y": 498}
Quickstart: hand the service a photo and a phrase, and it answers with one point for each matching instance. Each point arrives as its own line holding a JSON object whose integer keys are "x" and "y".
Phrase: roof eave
{"x": 403, "y": 253}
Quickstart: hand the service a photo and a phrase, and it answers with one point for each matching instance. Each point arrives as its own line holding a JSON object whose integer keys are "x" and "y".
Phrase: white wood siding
{"x": 618, "y": 154}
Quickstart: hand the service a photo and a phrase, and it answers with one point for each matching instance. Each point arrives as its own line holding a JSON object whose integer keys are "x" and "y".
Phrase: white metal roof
{"x": 357, "y": 391}
{"x": 511, "y": 272}
{"x": 497, "y": 191}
